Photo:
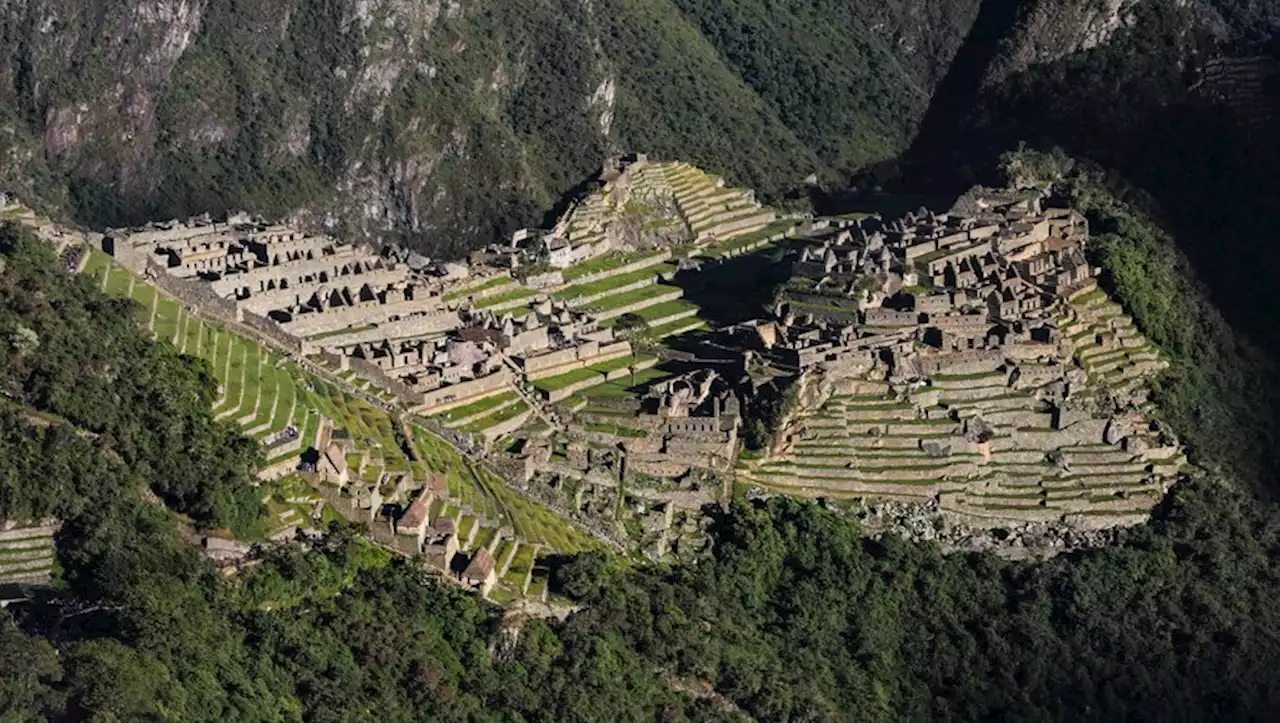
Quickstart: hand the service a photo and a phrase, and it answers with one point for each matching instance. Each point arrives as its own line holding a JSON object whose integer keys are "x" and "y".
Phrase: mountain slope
{"x": 444, "y": 124}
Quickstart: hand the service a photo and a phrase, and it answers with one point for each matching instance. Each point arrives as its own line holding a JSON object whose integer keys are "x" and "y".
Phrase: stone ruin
{"x": 982, "y": 371}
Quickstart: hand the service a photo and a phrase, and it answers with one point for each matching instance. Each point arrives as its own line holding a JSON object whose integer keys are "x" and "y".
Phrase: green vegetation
{"x": 1218, "y": 384}
{"x": 620, "y": 363}
{"x": 617, "y": 430}
{"x": 763, "y": 416}
{"x": 608, "y": 262}
{"x": 518, "y": 294}
{"x": 626, "y": 386}
{"x": 81, "y": 356}
{"x": 477, "y": 288}
{"x": 633, "y": 297}
{"x": 654, "y": 312}
{"x": 561, "y": 381}
{"x": 794, "y": 616}
{"x": 490, "y": 496}
{"x": 492, "y": 420}
{"x": 603, "y": 285}
{"x": 476, "y": 407}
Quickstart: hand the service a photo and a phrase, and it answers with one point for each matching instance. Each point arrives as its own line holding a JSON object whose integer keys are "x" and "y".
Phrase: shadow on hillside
{"x": 1209, "y": 179}
{"x": 737, "y": 289}
{"x": 996, "y": 20}
{"x": 1211, "y": 183}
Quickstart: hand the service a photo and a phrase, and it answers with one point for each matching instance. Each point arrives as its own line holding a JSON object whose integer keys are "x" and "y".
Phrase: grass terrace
{"x": 560, "y": 381}
{"x": 634, "y": 296}
{"x": 617, "y": 430}
{"x": 519, "y": 294}
{"x": 521, "y": 566}
{"x": 658, "y": 311}
{"x": 672, "y": 328}
{"x": 492, "y": 420}
{"x": 621, "y": 363}
{"x": 118, "y": 281}
{"x": 624, "y": 387}
{"x": 607, "y": 262}
{"x": 601, "y": 286}
{"x": 490, "y": 497}
{"x": 728, "y": 246}
{"x": 475, "y": 408}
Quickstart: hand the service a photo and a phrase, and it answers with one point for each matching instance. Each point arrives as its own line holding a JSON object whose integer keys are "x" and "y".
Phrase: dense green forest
{"x": 447, "y": 126}
{"x": 793, "y": 616}
{"x": 74, "y": 353}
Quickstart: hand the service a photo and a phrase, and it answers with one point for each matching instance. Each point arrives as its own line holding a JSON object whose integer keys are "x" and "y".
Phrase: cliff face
{"x": 446, "y": 123}
{"x": 1049, "y": 30}
{"x": 379, "y": 115}
{"x": 440, "y": 122}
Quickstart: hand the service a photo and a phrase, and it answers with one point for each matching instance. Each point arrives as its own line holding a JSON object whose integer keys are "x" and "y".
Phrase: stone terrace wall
{"x": 196, "y": 294}
{"x": 371, "y": 371}
{"x": 199, "y": 295}
{"x": 271, "y": 329}
{"x": 465, "y": 392}
{"x": 556, "y": 395}
{"x": 633, "y": 266}
{"x": 511, "y": 425}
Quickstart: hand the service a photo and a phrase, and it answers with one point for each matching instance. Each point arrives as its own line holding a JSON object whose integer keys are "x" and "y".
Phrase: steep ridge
{"x": 441, "y": 123}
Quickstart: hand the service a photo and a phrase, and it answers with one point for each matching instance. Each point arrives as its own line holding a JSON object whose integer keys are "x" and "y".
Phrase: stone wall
{"x": 195, "y": 294}
{"x": 731, "y": 228}
{"x": 462, "y": 393}
{"x": 499, "y": 430}
{"x": 200, "y": 297}
{"x": 545, "y": 365}
{"x": 366, "y": 313}
{"x": 549, "y": 280}
{"x": 271, "y": 329}
{"x": 292, "y": 272}
{"x": 265, "y": 301}
{"x": 414, "y": 326}
{"x": 556, "y": 395}
{"x": 372, "y": 372}
{"x": 969, "y": 362}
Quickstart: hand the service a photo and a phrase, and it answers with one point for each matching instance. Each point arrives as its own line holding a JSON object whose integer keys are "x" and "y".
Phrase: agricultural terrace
{"x": 508, "y": 525}
{"x": 263, "y": 393}
{"x": 608, "y": 262}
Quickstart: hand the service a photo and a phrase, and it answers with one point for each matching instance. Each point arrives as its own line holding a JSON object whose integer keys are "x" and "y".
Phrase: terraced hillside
{"x": 289, "y": 410}
{"x": 27, "y": 554}
{"x": 997, "y": 445}
{"x": 488, "y": 515}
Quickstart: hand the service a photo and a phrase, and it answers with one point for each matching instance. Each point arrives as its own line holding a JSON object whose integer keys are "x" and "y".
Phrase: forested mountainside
{"x": 445, "y": 122}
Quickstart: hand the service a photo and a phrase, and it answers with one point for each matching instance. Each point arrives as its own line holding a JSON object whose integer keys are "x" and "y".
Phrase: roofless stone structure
{"x": 968, "y": 359}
